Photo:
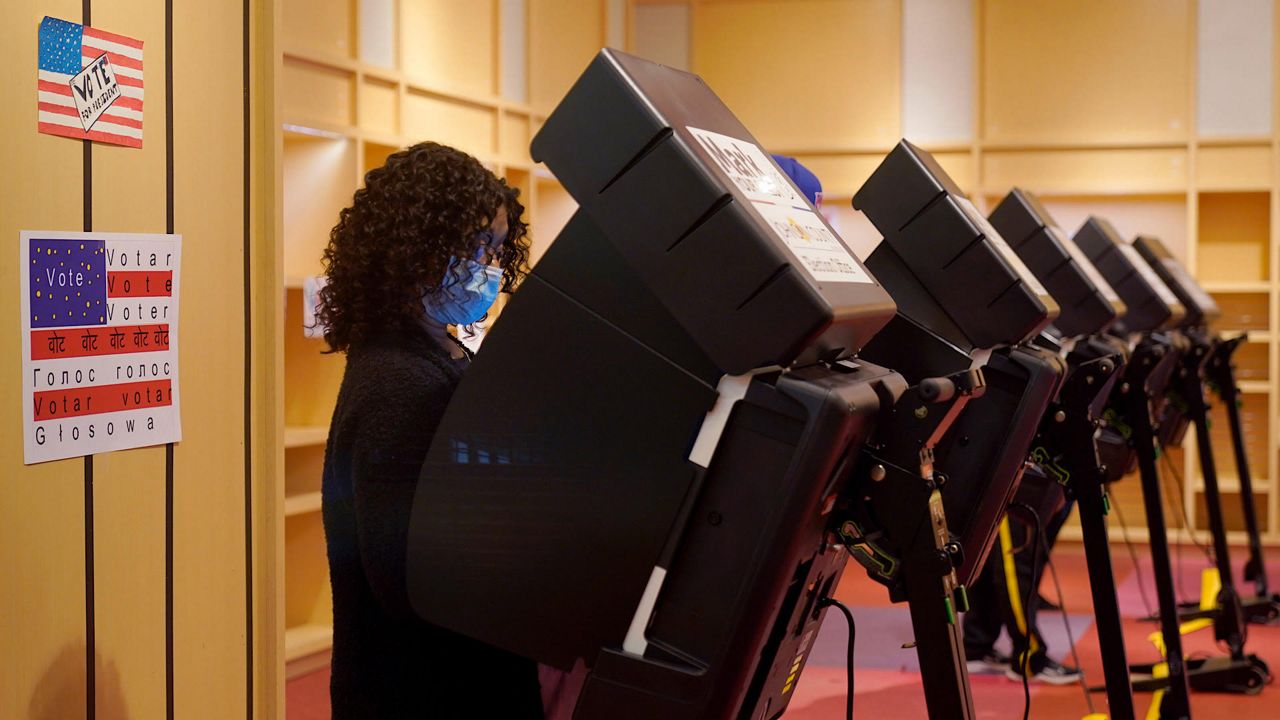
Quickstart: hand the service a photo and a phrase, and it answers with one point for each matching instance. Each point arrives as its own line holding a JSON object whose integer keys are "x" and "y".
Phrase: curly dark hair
{"x": 426, "y": 205}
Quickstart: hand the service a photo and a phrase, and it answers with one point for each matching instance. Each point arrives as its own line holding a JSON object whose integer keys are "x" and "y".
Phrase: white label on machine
{"x": 748, "y": 168}
{"x": 1085, "y": 264}
{"x": 1019, "y": 267}
{"x": 1148, "y": 273}
{"x": 817, "y": 248}
{"x": 788, "y": 214}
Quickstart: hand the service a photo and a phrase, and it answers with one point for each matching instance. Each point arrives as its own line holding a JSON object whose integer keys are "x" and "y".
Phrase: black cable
{"x": 1066, "y": 622}
{"x": 1181, "y": 504}
{"x": 853, "y": 634}
{"x": 1133, "y": 555}
{"x": 1181, "y": 508}
{"x": 1032, "y": 592}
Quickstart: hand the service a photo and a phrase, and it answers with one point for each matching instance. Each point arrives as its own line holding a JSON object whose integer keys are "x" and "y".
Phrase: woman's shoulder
{"x": 389, "y": 368}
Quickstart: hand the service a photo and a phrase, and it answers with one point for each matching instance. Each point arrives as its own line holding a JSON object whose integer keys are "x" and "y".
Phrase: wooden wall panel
{"x": 563, "y": 37}
{"x": 316, "y": 94}
{"x": 1086, "y": 172}
{"x": 375, "y": 156}
{"x": 129, "y": 195}
{"x": 840, "y": 175}
{"x": 555, "y": 207}
{"x": 311, "y": 387}
{"x": 42, "y": 595}
{"x": 1235, "y": 229}
{"x": 1087, "y": 71}
{"x": 326, "y": 27}
{"x": 1244, "y": 311}
{"x": 470, "y": 128}
{"x": 852, "y": 226}
{"x": 44, "y": 628}
{"x": 961, "y": 167}
{"x": 452, "y": 44}
{"x": 515, "y": 138}
{"x": 1233, "y": 168}
{"x": 1164, "y": 216}
{"x": 304, "y": 535}
{"x": 379, "y": 107}
{"x": 322, "y": 176}
{"x": 1257, "y": 430}
{"x": 805, "y": 74}
{"x": 210, "y": 572}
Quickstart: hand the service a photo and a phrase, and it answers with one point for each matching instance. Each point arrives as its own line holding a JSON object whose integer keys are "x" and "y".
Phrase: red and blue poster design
{"x": 89, "y": 84}
{"x": 99, "y": 342}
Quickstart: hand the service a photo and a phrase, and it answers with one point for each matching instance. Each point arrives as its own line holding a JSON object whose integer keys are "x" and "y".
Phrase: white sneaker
{"x": 1053, "y": 673}
{"x": 993, "y": 663}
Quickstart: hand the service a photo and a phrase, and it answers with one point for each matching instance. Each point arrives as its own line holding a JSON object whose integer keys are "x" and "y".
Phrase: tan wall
{"x": 45, "y": 595}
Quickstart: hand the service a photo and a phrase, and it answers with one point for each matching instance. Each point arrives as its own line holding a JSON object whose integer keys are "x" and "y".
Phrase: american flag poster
{"x": 90, "y": 84}
{"x": 99, "y": 342}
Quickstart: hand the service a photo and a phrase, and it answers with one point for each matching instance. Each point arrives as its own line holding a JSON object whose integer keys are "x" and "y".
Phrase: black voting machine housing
{"x": 545, "y": 528}
{"x": 958, "y": 291}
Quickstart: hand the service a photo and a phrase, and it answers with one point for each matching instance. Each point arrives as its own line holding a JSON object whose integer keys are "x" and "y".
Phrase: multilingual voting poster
{"x": 99, "y": 342}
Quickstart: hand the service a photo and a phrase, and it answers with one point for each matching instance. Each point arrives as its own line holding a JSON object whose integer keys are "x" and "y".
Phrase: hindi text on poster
{"x": 99, "y": 342}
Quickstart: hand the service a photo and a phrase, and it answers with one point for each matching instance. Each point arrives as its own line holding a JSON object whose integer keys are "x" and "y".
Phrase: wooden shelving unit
{"x": 1128, "y": 134}
{"x": 304, "y": 436}
{"x": 359, "y": 80}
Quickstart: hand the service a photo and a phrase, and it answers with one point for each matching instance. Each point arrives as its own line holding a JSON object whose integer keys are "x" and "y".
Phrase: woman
{"x": 427, "y": 244}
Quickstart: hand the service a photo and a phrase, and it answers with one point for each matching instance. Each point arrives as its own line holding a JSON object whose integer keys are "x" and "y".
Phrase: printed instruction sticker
{"x": 1019, "y": 267}
{"x": 788, "y": 214}
{"x": 1086, "y": 265}
{"x": 311, "y": 287}
{"x": 817, "y": 248}
{"x": 99, "y": 342}
{"x": 1148, "y": 273}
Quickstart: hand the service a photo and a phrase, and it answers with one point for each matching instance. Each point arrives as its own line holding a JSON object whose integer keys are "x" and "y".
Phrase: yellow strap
{"x": 1160, "y": 670}
{"x": 1191, "y": 626}
{"x": 1210, "y": 586}
{"x": 1011, "y": 584}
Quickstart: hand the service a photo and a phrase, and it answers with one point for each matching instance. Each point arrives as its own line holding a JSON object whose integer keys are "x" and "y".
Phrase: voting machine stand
{"x": 1211, "y": 366}
{"x": 1188, "y": 405}
{"x": 1132, "y": 411}
{"x": 966, "y": 308}
{"x": 1263, "y": 607}
{"x": 1067, "y": 442}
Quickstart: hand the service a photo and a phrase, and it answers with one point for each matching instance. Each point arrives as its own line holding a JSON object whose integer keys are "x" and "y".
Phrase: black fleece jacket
{"x": 386, "y": 662}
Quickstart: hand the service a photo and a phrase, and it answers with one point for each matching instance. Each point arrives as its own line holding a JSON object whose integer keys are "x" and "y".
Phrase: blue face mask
{"x": 469, "y": 291}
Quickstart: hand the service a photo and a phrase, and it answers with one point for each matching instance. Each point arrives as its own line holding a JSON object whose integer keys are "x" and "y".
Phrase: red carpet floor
{"x": 888, "y": 681}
